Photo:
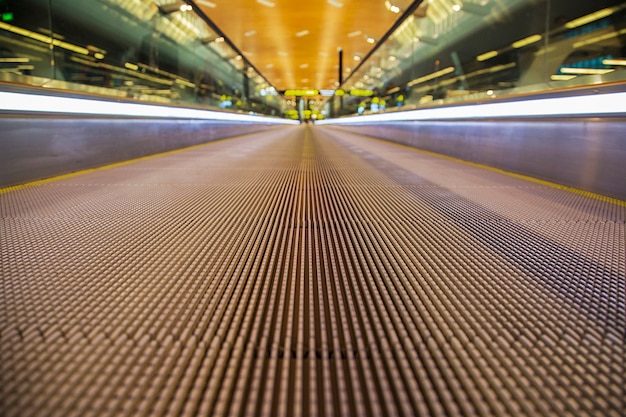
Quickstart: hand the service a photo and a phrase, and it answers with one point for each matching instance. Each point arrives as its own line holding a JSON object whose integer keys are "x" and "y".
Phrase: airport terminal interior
{"x": 323, "y": 208}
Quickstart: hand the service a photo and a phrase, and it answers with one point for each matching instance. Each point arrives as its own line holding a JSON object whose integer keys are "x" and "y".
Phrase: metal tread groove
{"x": 308, "y": 272}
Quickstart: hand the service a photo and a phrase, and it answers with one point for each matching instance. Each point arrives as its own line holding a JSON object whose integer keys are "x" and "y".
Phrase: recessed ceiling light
{"x": 302, "y": 33}
{"x": 207, "y": 4}
{"x": 371, "y": 40}
{"x": 266, "y": 3}
{"x": 392, "y": 7}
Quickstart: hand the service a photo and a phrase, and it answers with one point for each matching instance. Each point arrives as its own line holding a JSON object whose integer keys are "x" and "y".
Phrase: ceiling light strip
{"x": 586, "y": 71}
{"x": 600, "y": 14}
{"x": 526, "y": 41}
{"x": 621, "y": 61}
{"x": 595, "y": 105}
{"x": 432, "y": 76}
{"x": 486, "y": 56}
{"x": 68, "y": 105}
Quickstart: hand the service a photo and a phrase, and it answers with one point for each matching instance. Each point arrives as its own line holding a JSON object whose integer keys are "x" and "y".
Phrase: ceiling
{"x": 294, "y": 44}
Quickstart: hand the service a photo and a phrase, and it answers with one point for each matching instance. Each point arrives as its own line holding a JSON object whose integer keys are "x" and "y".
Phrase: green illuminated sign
{"x": 7, "y": 16}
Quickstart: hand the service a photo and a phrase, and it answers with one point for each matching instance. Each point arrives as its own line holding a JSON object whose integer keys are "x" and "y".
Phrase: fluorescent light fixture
{"x": 527, "y": 41}
{"x": 586, "y": 71}
{"x": 614, "y": 62}
{"x": 131, "y": 66}
{"x": 335, "y": 3}
{"x": 561, "y": 77}
{"x": 303, "y": 66}
{"x": 67, "y": 105}
{"x": 302, "y": 33}
{"x": 591, "y": 105}
{"x": 486, "y": 56}
{"x": 15, "y": 60}
{"x": 266, "y": 3}
{"x": 355, "y": 33}
{"x": 44, "y": 38}
{"x": 185, "y": 83}
{"x": 432, "y": 76}
{"x": 249, "y": 33}
{"x": 600, "y": 14}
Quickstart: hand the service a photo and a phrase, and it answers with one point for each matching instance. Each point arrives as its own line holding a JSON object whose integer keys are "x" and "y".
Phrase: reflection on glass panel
{"x": 453, "y": 50}
{"x": 25, "y": 39}
{"x": 157, "y": 51}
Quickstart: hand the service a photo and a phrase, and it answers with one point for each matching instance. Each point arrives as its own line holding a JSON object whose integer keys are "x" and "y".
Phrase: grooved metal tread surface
{"x": 307, "y": 272}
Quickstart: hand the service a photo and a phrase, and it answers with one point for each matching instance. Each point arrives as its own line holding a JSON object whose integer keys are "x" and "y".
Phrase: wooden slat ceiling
{"x": 294, "y": 43}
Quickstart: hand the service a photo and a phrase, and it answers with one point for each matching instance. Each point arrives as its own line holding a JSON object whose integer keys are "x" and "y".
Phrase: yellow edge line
{"x": 600, "y": 197}
{"x": 99, "y": 168}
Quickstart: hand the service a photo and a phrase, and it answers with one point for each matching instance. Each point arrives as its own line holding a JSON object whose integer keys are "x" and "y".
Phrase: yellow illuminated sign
{"x": 361, "y": 93}
{"x": 300, "y": 93}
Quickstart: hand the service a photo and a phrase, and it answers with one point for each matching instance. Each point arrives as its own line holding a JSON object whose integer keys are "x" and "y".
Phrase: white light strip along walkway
{"x": 67, "y": 105}
{"x": 596, "y": 105}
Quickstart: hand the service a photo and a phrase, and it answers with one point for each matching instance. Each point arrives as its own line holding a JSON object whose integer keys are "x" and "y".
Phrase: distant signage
{"x": 326, "y": 93}
{"x": 361, "y": 93}
{"x": 301, "y": 93}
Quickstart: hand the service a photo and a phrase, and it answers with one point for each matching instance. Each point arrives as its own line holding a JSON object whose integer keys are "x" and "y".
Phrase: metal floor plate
{"x": 309, "y": 272}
